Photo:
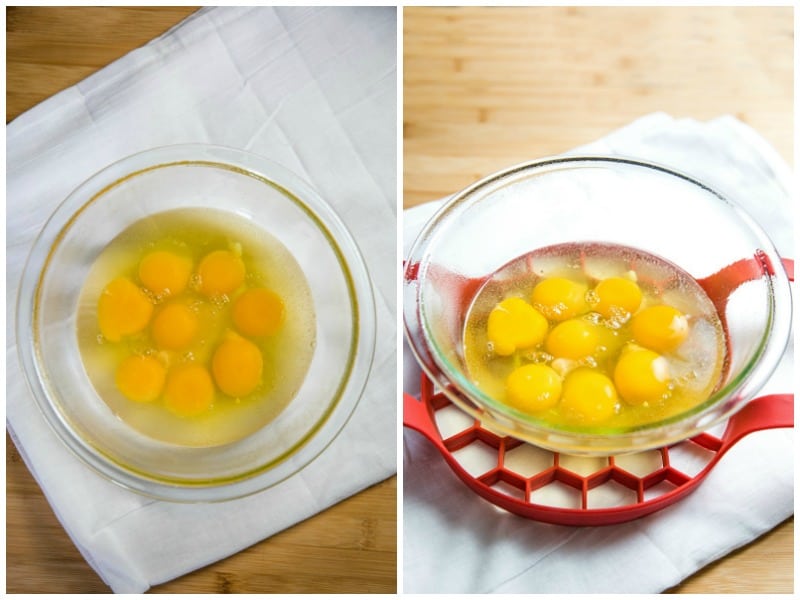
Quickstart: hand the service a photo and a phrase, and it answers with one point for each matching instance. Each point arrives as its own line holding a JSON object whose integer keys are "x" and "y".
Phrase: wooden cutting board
{"x": 352, "y": 547}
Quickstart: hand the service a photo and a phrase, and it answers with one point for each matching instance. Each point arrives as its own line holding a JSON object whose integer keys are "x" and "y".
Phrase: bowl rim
{"x": 354, "y": 271}
{"x": 481, "y": 406}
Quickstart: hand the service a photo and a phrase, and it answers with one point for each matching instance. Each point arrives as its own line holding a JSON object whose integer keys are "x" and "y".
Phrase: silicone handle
{"x": 720, "y": 285}
{"x": 788, "y": 266}
{"x": 416, "y": 416}
{"x": 772, "y": 411}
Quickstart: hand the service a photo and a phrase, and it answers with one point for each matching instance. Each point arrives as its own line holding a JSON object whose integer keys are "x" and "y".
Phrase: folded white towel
{"x": 313, "y": 89}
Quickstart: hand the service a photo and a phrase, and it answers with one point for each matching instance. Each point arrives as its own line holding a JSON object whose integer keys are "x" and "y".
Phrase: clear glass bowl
{"x": 198, "y": 177}
{"x": 595, "y": 199}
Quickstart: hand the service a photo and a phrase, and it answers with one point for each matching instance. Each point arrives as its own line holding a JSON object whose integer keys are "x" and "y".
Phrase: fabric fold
{"x": 226, "y": 76}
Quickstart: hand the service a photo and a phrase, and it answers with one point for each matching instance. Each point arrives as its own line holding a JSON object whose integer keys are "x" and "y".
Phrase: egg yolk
{"x": 661, "y": 328}
{"x": 174, "y": 327}
{"x": 515, "y": 324}
{"x": 617, "y": 296}
{"x": 588, "y": 396}
{"x": 189, "y": 390}
{"x": 258, "y": 312}
{"x": 533, "y": 388}
{"x": 221, "y": 272}
{"x": 237, "y": 366}
{"x": 122, "y": 309}
{"x": 140, "y": 378}
{"x": 165, "y": 273}
{"x": 641, "y": 376}
{"x": 559, "y": 298}
{"x": 574, "y": 338}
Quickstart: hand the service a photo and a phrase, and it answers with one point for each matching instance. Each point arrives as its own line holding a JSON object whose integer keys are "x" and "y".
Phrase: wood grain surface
{"x": 349, "y": 548}
{"x": 486, "y": 88}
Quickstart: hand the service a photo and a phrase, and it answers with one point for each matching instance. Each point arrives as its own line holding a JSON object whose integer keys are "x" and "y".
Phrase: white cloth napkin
{"x": 313, "y": 89}
{"x": 454, "y": 541}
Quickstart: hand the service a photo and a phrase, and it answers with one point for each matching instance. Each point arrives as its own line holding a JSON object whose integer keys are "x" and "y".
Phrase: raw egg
{"x": 641, "y": 376}
{"x": 220, "y": 272}
{"x": 159, "y": 312}
{"x": 588, "y": 396}
{"x": 141, "y": 378}
{"x": 617, "y": 296}
{"x": 600, "y": 334}
{"x": 533, "y": 388}
{"x": 661, "y": 328}
{"x": 174, "y": 327}
{"x": 122, "y": 309}
{"x": 189, "y": 390}
{"x": 515, "y": 324}
{"x": 237, "y": 366}
{"x": 258, "y": 312}
{"x": 559, "y": 298}
{"x": 165, "y": 273}
{"x": 574, "y": 338}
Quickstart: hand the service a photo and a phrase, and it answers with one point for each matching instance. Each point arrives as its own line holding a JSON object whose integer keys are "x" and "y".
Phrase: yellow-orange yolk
{"x": 559, "y": 298}
{"x": 617, "y": 296}
{"x": 122, "y": 309}
{"x": 221, "y": 272}
{"x": 661, "y": 328}
{"x": 533, "y": 388}
{"x": 237, "y": 366}
{"x": 258, "y": 312}
{"x": 588, "y": 397}
{"x": 140, "y": 378}
{"x": 641, "y": 376}
{"x": 174, "y": 327}
{"x": 165, "y": 273}
{"x": 574, "y": 338}
{"x": 189, "y": 390}
{"x": 515, "y": 324}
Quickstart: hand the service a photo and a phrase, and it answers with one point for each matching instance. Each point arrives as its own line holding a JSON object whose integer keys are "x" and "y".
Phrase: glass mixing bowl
{"x": 599, "y": 200}
{"x": 198, "y": 177}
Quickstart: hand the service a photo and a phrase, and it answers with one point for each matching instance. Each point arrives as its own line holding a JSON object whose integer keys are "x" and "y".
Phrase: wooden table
{"x": 349, "y": 548}
{"x": 486, "y": 88}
